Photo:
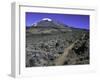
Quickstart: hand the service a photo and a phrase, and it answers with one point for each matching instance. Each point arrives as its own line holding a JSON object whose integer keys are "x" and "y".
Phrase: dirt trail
{"x": 61, "y": 59}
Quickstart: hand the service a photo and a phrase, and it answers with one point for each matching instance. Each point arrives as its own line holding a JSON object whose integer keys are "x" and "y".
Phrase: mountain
{"x": 48, "y": 23}
{"x": 52, "y": 43}
{"x": 48, "y": 26}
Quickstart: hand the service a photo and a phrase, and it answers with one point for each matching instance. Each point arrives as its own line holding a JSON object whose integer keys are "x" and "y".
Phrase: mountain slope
{"x": 47, "y": 26}
{"x": 50, "y": 43}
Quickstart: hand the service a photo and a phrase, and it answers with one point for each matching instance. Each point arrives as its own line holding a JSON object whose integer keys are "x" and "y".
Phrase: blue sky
{"x": 77, "y": 21}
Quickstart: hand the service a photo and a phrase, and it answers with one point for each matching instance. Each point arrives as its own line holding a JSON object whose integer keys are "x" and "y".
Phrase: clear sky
{"x": 77, "y": 21}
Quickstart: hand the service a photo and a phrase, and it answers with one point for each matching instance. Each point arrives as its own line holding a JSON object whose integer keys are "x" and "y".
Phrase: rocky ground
{"x": 68, "y": 48}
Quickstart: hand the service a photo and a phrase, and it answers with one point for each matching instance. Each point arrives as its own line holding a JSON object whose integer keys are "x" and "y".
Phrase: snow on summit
{"x": 44, "y": 19}
{"x": 34, "y": 24}
{"x": 48, "y": 19}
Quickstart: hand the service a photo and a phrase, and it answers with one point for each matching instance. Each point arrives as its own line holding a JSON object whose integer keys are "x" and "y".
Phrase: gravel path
{"x": 61, "y": 59}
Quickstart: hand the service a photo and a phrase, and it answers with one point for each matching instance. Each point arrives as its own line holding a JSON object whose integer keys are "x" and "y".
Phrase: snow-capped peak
{"x": 47, "y": 19}
{"x": 34, "y": 24}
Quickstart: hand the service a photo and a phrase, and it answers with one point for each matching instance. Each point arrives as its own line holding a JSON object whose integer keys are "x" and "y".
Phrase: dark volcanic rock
{"x": 44, "y": 46}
